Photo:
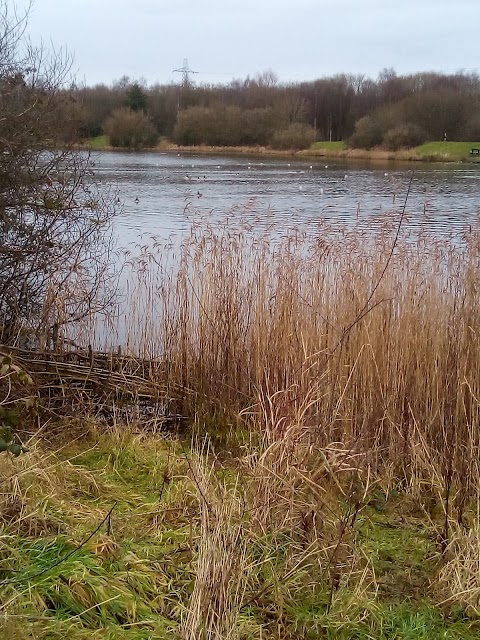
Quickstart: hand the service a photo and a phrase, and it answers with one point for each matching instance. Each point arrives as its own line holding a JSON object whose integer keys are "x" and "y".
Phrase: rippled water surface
{"x": 162, "y": 194}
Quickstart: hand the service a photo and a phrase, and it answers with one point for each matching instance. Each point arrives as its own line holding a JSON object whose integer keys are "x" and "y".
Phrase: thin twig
{"x": 365, "y": 310}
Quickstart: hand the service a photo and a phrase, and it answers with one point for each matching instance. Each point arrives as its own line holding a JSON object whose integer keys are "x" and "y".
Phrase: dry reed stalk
{"x": 458, "y": 581}
{"x": 237, "y": 316}
{"x": 286, "y": 501}
{"x": 222, "y": 563}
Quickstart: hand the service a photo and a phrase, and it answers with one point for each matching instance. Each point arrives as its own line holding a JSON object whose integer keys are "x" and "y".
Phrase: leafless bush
{"x": 54, "y": 240}
{"x": 132, "y": 129}
{"x": 296, "y": 136}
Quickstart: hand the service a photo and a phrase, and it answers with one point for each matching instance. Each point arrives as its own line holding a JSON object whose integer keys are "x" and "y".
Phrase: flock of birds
{"x": 187, "y": 178}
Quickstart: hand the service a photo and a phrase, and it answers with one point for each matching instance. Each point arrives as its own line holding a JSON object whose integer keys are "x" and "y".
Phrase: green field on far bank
{"x": 99, "y": 142}
{"x": 451, "y": 150}
{"x": 334, "y": 145}
{"x": 435, "y": 150}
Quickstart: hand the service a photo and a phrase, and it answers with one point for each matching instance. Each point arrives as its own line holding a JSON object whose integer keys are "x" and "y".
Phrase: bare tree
{"x": 54, "y": 222}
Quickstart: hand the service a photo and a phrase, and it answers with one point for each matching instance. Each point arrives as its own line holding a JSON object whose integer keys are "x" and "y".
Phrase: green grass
{"x": 133, "y": 579}
{"x": 329, "y": 146}
{"x": 450, "y": 150}
{"x": 100, "y": 142}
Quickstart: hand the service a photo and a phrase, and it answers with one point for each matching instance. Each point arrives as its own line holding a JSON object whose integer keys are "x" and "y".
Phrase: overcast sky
{"x": 226, "y": 39}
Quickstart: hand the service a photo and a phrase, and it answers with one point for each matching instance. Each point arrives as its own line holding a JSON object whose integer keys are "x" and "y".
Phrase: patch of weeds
{"x": 400, "y": 550}
{"x": 125, "y": 592}
{"x": 228, "y": 436}
{"x": 365, "y": 618}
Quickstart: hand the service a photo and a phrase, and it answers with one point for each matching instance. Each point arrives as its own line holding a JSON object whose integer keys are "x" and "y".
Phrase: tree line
{"x": 391, "y": 110}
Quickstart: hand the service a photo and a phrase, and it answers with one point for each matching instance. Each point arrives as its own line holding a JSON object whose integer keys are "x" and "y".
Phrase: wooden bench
{"x": 475, "y": 152}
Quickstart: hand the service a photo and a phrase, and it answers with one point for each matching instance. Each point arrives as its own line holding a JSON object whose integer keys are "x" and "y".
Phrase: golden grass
{"x": 331, "y": 333}
{"x": 370, "y": 154}
{"x": 341, "y": 360}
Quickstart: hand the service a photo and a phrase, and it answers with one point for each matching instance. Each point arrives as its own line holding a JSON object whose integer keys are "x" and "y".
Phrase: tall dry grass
{"x": 222, "y": 565}
{"x": 240, "y": 318}
{"x": 347, "y": 361}
{"x": 330, "y": 332}
{"x": 354, "y": 360}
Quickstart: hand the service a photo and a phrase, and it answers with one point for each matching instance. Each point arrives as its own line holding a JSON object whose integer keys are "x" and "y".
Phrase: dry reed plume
{"x": 271, "y": 330}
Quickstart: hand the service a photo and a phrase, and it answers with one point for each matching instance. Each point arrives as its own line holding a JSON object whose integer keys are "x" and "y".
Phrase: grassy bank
{"x": 428, "y": 152}
{"x": 448, "y": 150}
{"x": 325, "y": 480}
{"x": 100, "y": 142}
{"x": 196, "y": 546}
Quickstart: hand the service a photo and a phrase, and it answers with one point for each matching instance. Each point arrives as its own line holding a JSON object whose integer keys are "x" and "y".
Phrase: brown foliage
{"x": 130, "y": 129}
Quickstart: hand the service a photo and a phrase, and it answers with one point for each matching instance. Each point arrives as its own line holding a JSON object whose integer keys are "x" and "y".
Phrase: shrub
{"x": 404, "y": 135}
{"x": 130, "y": 129}
{"x": 370, "y": 130}
{"x": 296, "y": 136}
{"x": 193, "y": 126}
{"x": 258, "y": 126}
{"x": 223, "y": 126}
{"x": 368, "y": 133}
{"x": 54, "y": 246}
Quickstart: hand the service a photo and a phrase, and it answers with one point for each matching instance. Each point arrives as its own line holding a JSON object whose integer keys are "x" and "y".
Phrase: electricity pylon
{"x": 185, "y": 71}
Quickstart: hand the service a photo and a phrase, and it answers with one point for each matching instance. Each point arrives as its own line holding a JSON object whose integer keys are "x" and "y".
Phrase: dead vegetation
{"x": 332, "y": 389}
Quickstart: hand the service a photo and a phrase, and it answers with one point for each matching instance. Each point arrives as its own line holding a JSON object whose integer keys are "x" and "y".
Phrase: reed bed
{"x": 331, "y": 485}
{"x": 368, "y": 340}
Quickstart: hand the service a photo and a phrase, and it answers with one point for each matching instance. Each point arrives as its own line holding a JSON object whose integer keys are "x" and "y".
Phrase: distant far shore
{"x": 427, "y": 152}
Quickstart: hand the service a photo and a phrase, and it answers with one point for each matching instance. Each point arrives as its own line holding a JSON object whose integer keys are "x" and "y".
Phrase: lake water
{"x": 162, "y": 194}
